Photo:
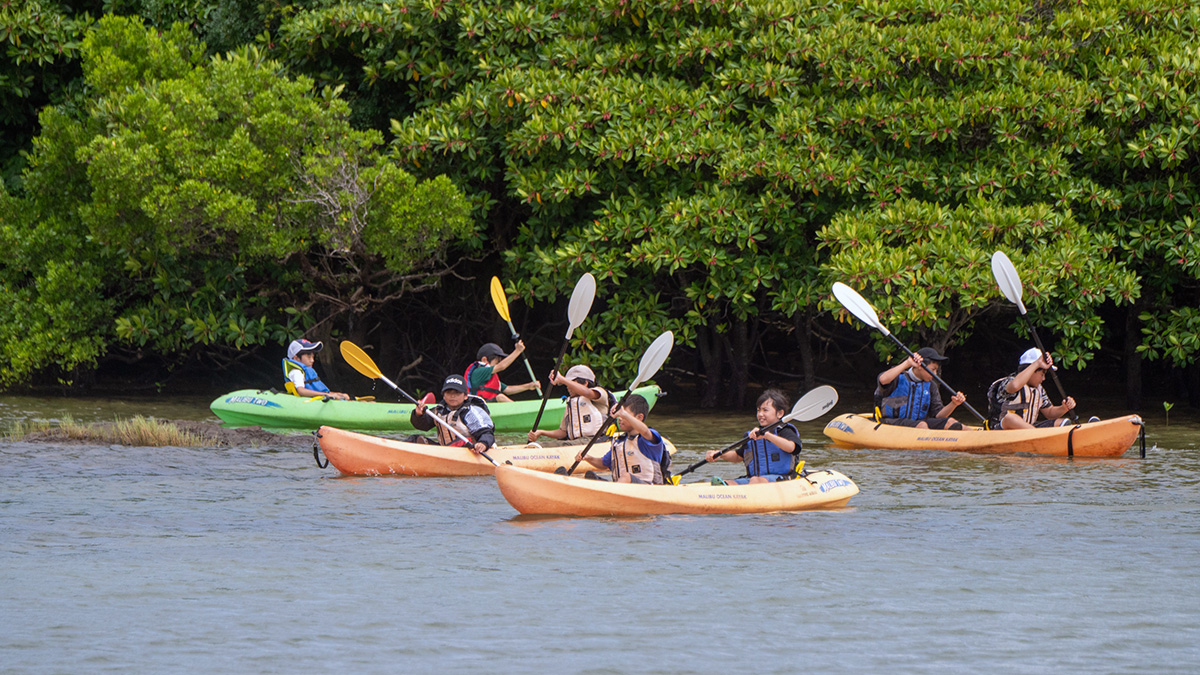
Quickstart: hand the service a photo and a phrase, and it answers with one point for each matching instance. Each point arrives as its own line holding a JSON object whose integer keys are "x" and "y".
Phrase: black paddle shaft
{"x": 774, "y": 428}
{"x": 562, "y": 354}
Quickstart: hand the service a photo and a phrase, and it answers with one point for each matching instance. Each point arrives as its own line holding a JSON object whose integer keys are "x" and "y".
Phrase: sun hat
{"x": 301, "y": 346}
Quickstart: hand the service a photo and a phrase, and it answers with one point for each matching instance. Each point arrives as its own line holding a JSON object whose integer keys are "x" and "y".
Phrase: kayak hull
{"x": 1106, "y": 438}
{"x": 356, "y": 454}
{"x": 532, "y": 492}
{"x": 271, "y": 410}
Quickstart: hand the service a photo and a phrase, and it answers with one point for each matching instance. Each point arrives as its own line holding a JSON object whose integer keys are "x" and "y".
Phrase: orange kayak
{"x": 533, "y": 492}
{"x": 356, "y": 454}
{"x": 1106, "y": 438}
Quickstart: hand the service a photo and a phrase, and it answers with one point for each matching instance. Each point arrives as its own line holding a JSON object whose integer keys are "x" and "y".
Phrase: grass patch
{"x": 139, "y": 431}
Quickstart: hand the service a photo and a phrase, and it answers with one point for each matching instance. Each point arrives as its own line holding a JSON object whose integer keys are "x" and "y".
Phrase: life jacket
{"x": 469, "y": 418}
{"x": 909, "y": 400}
{"x": 628, "y": 459}
{"x": 489, "y": 390}
{"x": 311, "y": 379}
{"x": 584, "y": 416}
{"x": 1026, "y": 403}
{"x": 763, "y": 457}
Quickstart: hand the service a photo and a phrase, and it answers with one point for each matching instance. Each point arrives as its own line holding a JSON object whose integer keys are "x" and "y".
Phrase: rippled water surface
{"x": 252, "y": 559}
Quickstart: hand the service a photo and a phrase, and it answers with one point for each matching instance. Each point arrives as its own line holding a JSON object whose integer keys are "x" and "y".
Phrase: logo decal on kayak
{"x": 833, "y": 484}
{"x": 253, "y": 400}
{"x": 840, "y": 426}
{"x": 721, "y": 495}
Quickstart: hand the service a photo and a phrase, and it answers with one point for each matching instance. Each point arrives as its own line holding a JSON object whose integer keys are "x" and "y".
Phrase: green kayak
{"x": 270, "y": 410}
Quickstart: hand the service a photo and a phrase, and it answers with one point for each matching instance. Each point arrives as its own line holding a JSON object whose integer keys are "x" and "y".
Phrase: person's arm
{"x": 419, "y": 420}
{"x": 557, "y": 434}
{"x": 958, "y": 399}
{"x": 888, "y": 376}
{"x": 518, "y": 388}
{"x": 508, "y": 360}
{"x": 596, "y": 462}
{"x": 1054, "y": 412}
{"x": 786, "y": 439}
{"x": 305, "y": 391}
{"x": 633, "y": 425}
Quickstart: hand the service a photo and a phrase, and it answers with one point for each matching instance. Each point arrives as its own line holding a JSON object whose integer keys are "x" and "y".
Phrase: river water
{"x": 252, "y": 559}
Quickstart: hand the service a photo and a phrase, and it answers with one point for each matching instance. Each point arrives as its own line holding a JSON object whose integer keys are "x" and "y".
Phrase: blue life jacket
{"x": 311, "y": 379}
{"x": 910, "y": 399}
{"x": 763, "y": 457}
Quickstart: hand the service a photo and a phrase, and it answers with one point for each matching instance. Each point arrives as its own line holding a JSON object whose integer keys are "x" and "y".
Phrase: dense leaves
{"x": 196, "y": 201}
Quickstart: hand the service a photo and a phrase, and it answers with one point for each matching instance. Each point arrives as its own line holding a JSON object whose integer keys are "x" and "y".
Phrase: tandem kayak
{"x": 272, "y": 410}
{"x": 534, "y": 492}
{"x": 1106, "y": 438}
{"x": 357, "y": 454}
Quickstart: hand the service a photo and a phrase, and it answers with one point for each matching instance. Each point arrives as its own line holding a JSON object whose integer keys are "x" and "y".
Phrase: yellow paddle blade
{"x": 799, "y": 467}
{"x": 673, "y": 480}
{"x": 499, "y": 298}
{"x": 359, "y": 360}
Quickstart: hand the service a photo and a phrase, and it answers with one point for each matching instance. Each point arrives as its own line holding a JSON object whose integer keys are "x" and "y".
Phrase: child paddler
{"x": 638, "y": 455}
{"x": 468, "y": 414}
{"x": 906, "y": 394}
{"x": 1015, "y": 401}
{"x": 483, "y": 376}
{"x": 586, "y": 405}
{"x": 299, "y": 372}
{"x": 769, "y": 453}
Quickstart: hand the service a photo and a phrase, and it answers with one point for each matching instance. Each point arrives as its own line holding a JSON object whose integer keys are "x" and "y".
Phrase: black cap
{"x": 931, "y": 354}
{"x": 490, "y": 350}
{"x": 456, "y": 383}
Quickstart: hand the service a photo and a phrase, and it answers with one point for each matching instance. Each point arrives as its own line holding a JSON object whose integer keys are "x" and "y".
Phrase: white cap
{"x": 582, "y": 372}
{"x": 300, "y": 346}
{"x": 1032, "y": 354}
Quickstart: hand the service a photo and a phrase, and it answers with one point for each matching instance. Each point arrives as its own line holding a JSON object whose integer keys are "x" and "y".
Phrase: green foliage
{"x": 194, "y": 200}
{"x": 39, "y": 51}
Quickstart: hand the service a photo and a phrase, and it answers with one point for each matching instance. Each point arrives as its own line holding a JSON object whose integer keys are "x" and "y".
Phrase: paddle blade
{"x": 813, "y": 404}
{"x": 581, "y": 302}
{"x": 499, "y": 299}
{"x": 1007, "y": 278}
{"x": 857, "y": 306}
{"x": 654, "y": 357}
{"x": 359, "y": 360}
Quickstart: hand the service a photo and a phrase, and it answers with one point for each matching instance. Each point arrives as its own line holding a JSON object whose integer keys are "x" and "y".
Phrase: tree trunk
{"x": 741, "y": 345}
{"x": 804, "y": 331}
{"x": 1133, "y": 359}
{"x": 708, "y": 344}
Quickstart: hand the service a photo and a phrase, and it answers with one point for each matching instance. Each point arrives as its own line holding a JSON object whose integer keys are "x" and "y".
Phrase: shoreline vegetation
{"x": 141, "y": 431}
